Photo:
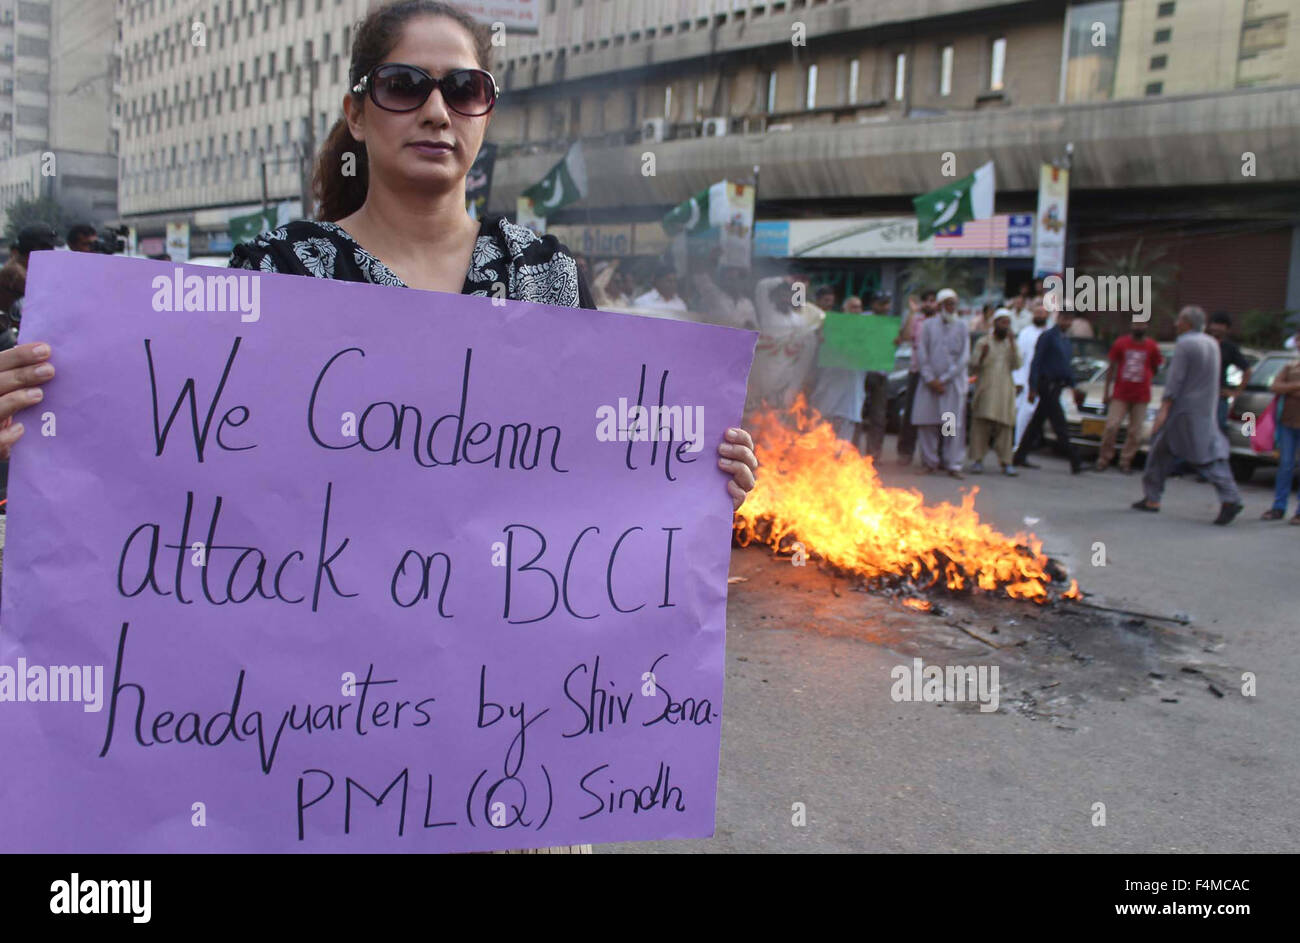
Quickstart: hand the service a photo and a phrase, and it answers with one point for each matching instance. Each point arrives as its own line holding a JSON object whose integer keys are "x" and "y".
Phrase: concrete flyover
{"x": 1185, "y": 141}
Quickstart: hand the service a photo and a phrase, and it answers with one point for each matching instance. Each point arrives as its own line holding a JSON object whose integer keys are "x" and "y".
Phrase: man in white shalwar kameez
{"x": 939, "y": 412}
{"x": 1026, "y": 340}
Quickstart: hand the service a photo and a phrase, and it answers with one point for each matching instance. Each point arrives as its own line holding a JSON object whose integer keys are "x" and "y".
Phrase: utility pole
{"x": 266, "y": 201}
{"x": 1066, "y": 163}
{"x": 309, "y": 138}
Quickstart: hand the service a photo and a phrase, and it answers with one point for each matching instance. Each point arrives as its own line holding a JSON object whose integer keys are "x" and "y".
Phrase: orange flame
{"x": 816, "y": 489}
{"x": 913, "y": 602}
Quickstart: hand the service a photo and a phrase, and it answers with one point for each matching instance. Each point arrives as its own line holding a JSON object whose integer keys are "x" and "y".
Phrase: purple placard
{"x": 322, "y": 635}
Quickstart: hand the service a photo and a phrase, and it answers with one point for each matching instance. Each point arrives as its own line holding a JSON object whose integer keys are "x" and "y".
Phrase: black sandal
{"x": 1272, "y": 514}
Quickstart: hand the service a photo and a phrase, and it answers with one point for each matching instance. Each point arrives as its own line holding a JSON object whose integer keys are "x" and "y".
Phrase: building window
{"x": 900, "y": 76}
{"x": 1163, "y": 35}
{"x": 1088, "y": 72}
{"x": 855, "y": 68}
{"x": 771, "y": 92}
{"x": 998, "y": 64}
{"x": 945, "y": 71}
{"x": 699, "y": 98}
{"x": 1155, "y": 88}
{"x": 810, "y": 99}
{"x": 1165, "y": 9}
{"x": 668, "y": 101}
{"x": 1159, "y": 62}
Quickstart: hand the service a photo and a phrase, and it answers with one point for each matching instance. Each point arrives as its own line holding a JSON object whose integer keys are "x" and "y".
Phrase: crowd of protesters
{"x": 983, "y": 379}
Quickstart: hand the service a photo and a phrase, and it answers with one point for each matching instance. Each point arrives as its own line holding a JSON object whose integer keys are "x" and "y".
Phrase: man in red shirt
{"x": 1134, "y": 360}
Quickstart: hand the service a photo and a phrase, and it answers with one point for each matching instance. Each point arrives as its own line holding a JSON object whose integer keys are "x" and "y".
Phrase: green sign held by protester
{"x": 858, "y": 341}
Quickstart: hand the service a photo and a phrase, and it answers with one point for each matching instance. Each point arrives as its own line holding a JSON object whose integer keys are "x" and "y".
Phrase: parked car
{"x": 1254, "y": 399}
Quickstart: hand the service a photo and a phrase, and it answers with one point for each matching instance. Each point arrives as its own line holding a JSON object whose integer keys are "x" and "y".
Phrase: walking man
{"x": 939, "y": 412}
{"x": 1050, "y": 374}
{"x": 1134, "y": 360}
{"x": 993, "y": 408}
{"x": 1187, "y": 427}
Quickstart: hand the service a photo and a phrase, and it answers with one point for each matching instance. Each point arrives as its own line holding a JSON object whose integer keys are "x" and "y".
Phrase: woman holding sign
{"x": 390, "y": 180}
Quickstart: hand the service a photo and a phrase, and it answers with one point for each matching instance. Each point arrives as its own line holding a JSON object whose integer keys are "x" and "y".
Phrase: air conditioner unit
{"x": 715, "y": 127}
{"x": 652, "y": 129}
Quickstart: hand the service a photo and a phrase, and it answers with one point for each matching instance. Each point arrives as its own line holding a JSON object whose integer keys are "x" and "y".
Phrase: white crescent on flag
{"x": 941, "y": 220}
{"x": 557, "y": 196}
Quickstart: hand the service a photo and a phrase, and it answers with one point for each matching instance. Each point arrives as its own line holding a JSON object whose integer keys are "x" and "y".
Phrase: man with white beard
{"x": 940, "y": 405}
{"x": 1025, "y": 341}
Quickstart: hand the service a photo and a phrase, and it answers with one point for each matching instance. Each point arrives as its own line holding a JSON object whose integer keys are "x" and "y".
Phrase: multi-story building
{"x": 222, "y": 103}
{"x": 1184, "y": 116}
{"x": 56, "y": 94}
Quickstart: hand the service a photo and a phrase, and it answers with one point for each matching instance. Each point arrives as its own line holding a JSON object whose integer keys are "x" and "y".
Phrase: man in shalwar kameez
{"x": 939, "y": 412}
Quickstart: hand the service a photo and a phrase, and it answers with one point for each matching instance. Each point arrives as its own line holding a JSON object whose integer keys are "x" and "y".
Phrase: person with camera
{"x": 83, "y": 238}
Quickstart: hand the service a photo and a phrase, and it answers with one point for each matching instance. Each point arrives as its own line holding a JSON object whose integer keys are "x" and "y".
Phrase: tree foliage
{"x": 24, "y": 213}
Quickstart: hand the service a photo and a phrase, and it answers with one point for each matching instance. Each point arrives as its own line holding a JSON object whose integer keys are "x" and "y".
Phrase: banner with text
{"x": 1050, "y": 221}
{"x": 305, "y": 565}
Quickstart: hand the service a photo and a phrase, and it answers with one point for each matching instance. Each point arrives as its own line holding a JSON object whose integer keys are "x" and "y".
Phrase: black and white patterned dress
{"x": 531, "y": 267}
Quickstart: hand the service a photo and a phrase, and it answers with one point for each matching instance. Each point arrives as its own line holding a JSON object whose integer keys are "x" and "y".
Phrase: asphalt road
{"x": 808, "y": 716}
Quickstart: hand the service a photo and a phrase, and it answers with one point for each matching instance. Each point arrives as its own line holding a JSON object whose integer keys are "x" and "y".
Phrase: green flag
{"x": 245, "y": 228}
{"x": 563, "y": 184}
{"x": 690, "y": 216}
{"x": 968, "y": 198}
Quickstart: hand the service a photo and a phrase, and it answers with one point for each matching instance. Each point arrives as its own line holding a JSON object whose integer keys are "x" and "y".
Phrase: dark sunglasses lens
{"x": 468, "y": 91}
{"x": 400, "y": 88}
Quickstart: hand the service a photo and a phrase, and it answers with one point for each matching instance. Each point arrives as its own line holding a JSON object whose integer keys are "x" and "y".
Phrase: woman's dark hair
{"x": 374, "y": 37}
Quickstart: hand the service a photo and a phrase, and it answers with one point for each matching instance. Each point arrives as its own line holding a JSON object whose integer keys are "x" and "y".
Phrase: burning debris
{"x": 817, "y": 496}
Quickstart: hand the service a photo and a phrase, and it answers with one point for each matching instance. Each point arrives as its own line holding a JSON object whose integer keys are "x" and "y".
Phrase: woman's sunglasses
{"x": 397, "y": 87}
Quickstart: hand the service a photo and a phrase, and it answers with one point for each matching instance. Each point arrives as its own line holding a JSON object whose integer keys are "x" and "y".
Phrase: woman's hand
{"x": 738, "y": 460}
{"x": 22, "y": 371}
